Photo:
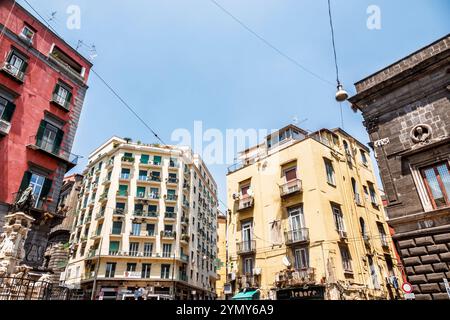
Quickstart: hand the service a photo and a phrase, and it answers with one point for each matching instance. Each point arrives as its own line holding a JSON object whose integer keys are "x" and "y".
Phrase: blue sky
{"x": 178, "y": 61}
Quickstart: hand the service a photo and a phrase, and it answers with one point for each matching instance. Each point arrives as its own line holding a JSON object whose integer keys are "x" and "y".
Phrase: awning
{"x": 247, "y": 295}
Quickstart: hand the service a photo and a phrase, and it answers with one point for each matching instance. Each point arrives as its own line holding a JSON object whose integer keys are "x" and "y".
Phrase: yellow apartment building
{"x": 221, "y": 255}
{"x": 306, "y": 220}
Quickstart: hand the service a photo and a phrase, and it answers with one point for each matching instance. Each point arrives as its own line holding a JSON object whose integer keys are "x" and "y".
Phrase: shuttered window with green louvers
{"x": 62, "y": 96}
{"x": 49, "y": 137}
{"x": 6, "y": 109}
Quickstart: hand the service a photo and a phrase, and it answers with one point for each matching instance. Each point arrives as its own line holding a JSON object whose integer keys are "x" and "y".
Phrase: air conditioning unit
{"x": 236, "y": 195}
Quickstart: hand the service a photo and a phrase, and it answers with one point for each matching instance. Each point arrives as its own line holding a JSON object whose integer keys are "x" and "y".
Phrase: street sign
{"x": 407, "y": 287}
{"x": 409, "y": 296}
{"x": 447, "y": 287}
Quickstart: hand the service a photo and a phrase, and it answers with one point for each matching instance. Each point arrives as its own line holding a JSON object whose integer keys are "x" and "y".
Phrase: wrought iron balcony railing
{"x": 296, "y": 236}
{"x": 244, "y": 247}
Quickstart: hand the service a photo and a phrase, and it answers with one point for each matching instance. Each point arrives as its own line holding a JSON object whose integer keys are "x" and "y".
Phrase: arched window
{"x": 362, "y": 223}
{"x": 356, "y": 192}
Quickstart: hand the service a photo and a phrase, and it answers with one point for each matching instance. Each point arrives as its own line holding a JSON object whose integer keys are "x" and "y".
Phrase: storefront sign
{"x": 132, "y": 274}
{"x": 303, "y": 293}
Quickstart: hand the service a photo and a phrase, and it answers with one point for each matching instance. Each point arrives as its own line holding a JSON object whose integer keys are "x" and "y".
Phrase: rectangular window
{"x": 248, "y": 266}
{"x": 16, "y": 65}
{"x": 157, "y": 160}
{"x": 346, "y": 259}
{"x": 150, "y": 229}
{"x": 330, "y": 172}
{"x": 363, "y": 157}
{"x": 290, "y": 174}
{"x": 140, "y": 192}
{"x": 148, "y": 249}
{"x": 110, "y": 269}
{"x": 131, "y": 267}
{"x": 27, "y": 34}
{"x": 167, "y": 250}
{"x": 165, "y": 271}
{"x": 114, "y": 247}
{"x": 125, "y": 173}
{"x": 301, "y": 258}
{"x": 383, "y": 236}
{"x": 136, "y": 229}
{"x": 373, "y": 194}
{"x": 146, "y": 270}
{"x": 138, "y": 209}
{"x": 142, "y": 175}
{"x": 134, "y": 248}
{"x": 6, "y": 109}
{"x": 123, "y": 190}
{"x": 144, "y": 158}
{"x": 437, "y": 183}
{"x": 62, "y": 95}
{"x": 152, "y": 208}
{"x": 49, "y": 137}
{"x": 117, "y": 227}
{"x": 338, "y": 218}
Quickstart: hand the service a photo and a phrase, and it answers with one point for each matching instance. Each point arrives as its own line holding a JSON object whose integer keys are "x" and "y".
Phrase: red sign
{"x": 407, "y": 287}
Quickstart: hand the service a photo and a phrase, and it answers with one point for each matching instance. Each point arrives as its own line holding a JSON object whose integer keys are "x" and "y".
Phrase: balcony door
{"x": 247, "y": 236}
{"x": 296, "y": 223}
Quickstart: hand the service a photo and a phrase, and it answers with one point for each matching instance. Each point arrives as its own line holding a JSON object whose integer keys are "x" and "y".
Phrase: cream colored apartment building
{"x": 146, "y": 224}
{"x": 306, "y": 220}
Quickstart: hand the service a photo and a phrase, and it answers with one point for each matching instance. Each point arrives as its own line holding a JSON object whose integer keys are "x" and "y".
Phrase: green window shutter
{"x": 58, "y": 140}
{"x": 144, "y": 158}
{"x": 69, "y": 99}
{"x": 46, "y": 188}
{"x": 9, "y": 110}
{"x": 56, "y": 90}
{"x": 157, "y": 159}
{"x": 114, "y": 245}
{"x": 24, "y": 66}
{"x": 40, "y": 132}
{"x": 25, "y": 181}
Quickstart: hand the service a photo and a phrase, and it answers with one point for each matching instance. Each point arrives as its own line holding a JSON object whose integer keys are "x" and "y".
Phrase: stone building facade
{"x": 57, "y": 253}
{"x": 406, "y": 109}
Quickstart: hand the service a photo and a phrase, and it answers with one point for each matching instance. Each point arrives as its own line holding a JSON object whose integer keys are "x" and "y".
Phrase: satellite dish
{"x": 250, "y": 192}
{"x": 286, "y": 261}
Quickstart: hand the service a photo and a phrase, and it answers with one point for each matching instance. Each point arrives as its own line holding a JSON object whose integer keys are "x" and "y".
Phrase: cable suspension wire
{"x": 333, "y": 42}
{"x": 270, "y": 45}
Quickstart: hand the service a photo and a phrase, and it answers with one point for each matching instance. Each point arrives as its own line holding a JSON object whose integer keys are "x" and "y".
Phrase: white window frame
{"x": 301, "y": 258}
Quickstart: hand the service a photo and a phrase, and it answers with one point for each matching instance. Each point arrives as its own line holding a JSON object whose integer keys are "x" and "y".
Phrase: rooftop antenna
{"x": 52, "y": 16}
{"x": 79, "y": 44}
{"x": 93, "y": 52}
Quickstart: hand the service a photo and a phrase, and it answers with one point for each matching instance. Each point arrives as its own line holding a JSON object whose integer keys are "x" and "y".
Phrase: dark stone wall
{"x": 415, "y": 90}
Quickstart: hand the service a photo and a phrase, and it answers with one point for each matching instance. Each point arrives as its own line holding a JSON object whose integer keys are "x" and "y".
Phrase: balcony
{"x": 13, "y": 71}
{"x": 5, "y": 127}
{"x": 149, "y": 164}
{"x": 61, "y": 101}
{"x": 246, "y": 202}
{"x": 121, "y": 194}
{"x": 173, "y": 164}
{"x": 246, "y": 247}
{"x": 185, "y": 237}
{"x": 358, "y": 200}
{"x": 171, "y": 197}
{"x": 54, "y": 150}
{"x": 170, "y": 215}
{"x": 127, "y": 160}
{"x": 290, "y": 188}
{"x": 185, "y": 203}
{"x": 184, "y": 220}
{"x": 119, "y": 212}
{"x": 184, "y": 257}
{"x": 168, "y": 234}
{"x": 342, "y": 234}
{"x": 296, "y": 236}
{"x": 142, "y": 214}
{"x": 295, "y": 277}
{"x": 124, "y": 177}
{"x": 384, "y": 241}
{"x": 172, "y": 180}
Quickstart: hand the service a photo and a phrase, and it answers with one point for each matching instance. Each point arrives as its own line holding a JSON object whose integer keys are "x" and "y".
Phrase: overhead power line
{"x": 270, "y": 45}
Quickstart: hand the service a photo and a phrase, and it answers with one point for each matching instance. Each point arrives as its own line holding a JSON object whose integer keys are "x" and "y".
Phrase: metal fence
{"x": 16, "y": 288}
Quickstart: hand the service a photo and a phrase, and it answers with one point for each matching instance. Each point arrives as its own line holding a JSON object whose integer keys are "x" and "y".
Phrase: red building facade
{"x": 42, "y": 90}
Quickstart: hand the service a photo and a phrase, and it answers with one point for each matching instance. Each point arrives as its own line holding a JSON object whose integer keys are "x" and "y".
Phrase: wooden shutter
{"x": 8, "y": 112}
{"x": 56, "y": 90}
{"x": 25, "y": 181}
{"x": 291, "y": 174}
{"x": 58, "y": 140}
{"x": 40, "y": 132}
{"x": 46, "y": 188}
{"x": 24, "y": 66}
